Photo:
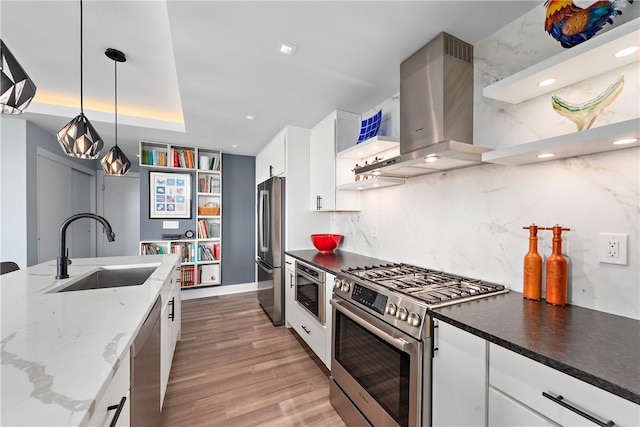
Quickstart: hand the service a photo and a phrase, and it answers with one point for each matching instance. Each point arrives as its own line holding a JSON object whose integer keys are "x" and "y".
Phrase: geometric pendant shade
{"x": 115, "y": 162}
{"x": 16, "y": 88}
{"x": 79, "y": 138}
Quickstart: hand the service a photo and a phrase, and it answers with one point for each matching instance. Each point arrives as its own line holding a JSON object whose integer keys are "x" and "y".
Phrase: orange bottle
{"x": 532, "y": 288}
{"x": 557, "y": 270}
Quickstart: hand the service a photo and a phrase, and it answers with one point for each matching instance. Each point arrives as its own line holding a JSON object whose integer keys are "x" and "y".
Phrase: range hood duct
{"x": 436, "y": 112}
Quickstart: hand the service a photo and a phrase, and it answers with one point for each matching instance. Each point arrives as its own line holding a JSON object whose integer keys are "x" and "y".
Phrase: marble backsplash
{"x": 470, "y": 221}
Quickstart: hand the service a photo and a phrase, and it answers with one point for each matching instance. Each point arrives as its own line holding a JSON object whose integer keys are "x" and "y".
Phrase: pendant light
{"x": 115, "y": 162}
{"x": 79, "y": 138}
{"x": 16, "y": 88}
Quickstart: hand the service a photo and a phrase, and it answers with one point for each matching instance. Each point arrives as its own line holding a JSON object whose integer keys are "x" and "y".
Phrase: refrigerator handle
{"x": 262, "y": 219}
{"x": 264, "y": 266}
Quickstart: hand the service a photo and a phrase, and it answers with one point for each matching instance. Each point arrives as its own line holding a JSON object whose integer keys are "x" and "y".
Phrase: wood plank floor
{"x": 234, "y": 368}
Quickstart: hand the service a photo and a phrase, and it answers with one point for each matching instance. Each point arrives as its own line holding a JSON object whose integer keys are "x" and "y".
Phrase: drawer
{"x": 525, "y": 380}
{"x": 504, "y": 411}
{"x": 117, "y": 389}
{"x": 311, "y": 331}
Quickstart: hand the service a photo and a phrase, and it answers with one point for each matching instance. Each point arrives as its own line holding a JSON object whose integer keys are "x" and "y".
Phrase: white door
{"x": 79, "y": 234}
{"x": 54, "y": 205}
{"x": 63, "y": 191}
{"x": 121, "y": 207}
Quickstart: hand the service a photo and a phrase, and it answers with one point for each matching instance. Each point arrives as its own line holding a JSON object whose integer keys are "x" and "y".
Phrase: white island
{"x": 60, "y": 350}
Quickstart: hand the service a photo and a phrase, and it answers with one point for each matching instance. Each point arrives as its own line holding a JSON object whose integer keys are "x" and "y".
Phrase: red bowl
{"x": 325, "y": 243}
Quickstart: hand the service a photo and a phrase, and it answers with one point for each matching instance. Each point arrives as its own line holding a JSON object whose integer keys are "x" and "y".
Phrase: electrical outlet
{"x": 613, "y": 248}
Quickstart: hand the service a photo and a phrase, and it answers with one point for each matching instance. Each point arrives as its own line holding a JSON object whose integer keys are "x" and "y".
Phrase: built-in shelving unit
{"x": 379, "y": 147}
{"x": 200, "y": 256}
{"x": 588, "y": 59}
{"x": 589, "y": 141}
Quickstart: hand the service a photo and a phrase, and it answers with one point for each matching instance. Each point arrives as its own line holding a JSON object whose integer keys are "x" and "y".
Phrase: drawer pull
{"x": 172, "y": 303}
{"x": 560, "y": 401}
{"x": 118, "y": 409}
{"x": 305, "y": 329}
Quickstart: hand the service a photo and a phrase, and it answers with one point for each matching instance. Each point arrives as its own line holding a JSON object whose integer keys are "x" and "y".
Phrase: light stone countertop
{"x": 61, "y": 349}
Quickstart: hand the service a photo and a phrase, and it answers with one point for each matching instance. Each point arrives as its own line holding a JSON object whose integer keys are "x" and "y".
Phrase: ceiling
{"x": 196, "y": 69}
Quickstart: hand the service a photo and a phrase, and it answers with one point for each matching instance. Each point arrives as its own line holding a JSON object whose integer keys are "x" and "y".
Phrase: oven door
{"x": 310, "y": 294}
{"x": 378, "y": 367}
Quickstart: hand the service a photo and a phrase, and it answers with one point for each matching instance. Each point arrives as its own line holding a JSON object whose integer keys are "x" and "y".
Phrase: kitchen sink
{"x": 112, "y": 278}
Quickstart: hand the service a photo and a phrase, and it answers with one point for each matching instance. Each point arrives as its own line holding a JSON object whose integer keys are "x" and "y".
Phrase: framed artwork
{"x": 169, "y": 195}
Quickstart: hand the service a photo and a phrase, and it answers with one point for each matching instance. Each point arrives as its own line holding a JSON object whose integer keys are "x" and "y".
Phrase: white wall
{"x": 470, "y": 221}
{"x": 13, "y": 191}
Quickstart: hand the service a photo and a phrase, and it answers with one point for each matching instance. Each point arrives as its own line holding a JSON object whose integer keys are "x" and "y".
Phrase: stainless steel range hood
{"x": 436, "y": 112}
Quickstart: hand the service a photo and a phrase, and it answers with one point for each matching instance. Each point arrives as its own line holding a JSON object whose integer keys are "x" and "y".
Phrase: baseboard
{"x": 212, "y": 291}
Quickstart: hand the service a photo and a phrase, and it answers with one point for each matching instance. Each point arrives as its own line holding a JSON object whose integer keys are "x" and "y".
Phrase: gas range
{"x": 401, "y": 294}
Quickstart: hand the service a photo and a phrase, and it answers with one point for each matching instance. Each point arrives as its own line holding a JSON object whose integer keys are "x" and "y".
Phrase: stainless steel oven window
{"x": 377, "y": 366}
{"x": 310, "y": 292}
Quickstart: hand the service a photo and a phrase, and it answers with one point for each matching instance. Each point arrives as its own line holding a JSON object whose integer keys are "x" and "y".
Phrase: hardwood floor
{"x": 234, "y": 368}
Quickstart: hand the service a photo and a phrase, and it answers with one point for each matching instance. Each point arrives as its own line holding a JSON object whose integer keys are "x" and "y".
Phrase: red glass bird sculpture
{"x": 571, "y": 24}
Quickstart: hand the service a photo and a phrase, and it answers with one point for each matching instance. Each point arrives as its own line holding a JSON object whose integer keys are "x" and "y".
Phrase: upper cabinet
{"x": 586, "y": 60}
{"x": 271, "y": 160}
{"x": 336, "y": 132}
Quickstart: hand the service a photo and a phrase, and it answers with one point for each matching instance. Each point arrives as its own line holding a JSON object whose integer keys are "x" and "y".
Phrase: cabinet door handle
{"x": 172, "y": 303}
{"x": 560, "y": 401}
{"x": 270, "y": 171}
{"x": 305, "y": 329}
{"x": 435, "y": 339}
{"x": 118, "y": 409}
{"x": 318, "y": 203}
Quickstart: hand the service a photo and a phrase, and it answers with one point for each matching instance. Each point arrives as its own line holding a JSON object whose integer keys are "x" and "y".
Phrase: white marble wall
{"x": 470, "y": 221}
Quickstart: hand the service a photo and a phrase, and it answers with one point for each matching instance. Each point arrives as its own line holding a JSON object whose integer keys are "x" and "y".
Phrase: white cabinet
{"x": 114, "y": 403}
{"x": 544, "y": 391}
{"x": 508, "y": 412}
{"x": 336, "y": 132}
{"x": 459, "y": 377}
{"x": 170, "y": 328}
{"x": 316, "y": 335}
{"x": 271, "y": 160}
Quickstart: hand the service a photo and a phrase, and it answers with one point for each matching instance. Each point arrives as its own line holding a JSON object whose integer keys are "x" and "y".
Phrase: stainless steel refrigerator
{"x": 270, "y": 254}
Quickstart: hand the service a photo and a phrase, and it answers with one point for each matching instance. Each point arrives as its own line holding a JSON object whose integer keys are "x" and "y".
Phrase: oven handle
{"x": 381, "y": 330}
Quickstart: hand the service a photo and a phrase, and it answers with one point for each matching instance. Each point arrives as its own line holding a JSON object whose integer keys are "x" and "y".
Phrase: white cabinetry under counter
{"x": 551, "y": 394}
{"x": 112, "y": 409}
{"x": 170, "y": 328}
{"x": 459, "y": 377}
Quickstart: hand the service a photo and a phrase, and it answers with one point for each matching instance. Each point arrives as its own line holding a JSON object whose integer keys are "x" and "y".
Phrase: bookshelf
{"x": 200, "y": 255}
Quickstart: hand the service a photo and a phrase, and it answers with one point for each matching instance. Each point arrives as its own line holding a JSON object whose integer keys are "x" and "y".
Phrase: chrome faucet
{"x": 63, "y": 256}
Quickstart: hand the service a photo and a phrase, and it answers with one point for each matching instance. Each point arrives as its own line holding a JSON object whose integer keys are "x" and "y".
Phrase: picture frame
{"x": 169, "y": 195}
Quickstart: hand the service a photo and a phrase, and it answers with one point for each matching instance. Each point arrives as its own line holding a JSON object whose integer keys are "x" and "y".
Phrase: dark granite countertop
{"x": 599, "y": 348}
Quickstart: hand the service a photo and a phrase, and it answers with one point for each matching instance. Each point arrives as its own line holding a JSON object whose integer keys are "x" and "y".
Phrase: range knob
{"x": 402, "y": 313}
{"x": 392, "y": 309}
{"x": 346, "y": 286}
{"x": 414, "y": 319}
{"x": 337, "y": 283}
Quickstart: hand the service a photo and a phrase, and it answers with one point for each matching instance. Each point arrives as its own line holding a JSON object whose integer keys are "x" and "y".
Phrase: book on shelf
{"x": 188, "y": 276}
{"x": 216, "y": 251}
{"x": 205, "y": 253}
{"x": 152, "y": 249}
{"x": 153, "y": 157}
{"x": 215, "y": 162}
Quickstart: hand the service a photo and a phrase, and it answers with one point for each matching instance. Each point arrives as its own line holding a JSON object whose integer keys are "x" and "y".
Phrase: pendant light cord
{"x": 115, "y": 72}
{"x": 81, "y": 94}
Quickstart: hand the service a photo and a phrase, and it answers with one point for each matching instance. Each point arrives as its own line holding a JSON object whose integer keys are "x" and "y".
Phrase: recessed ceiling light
{"x": 359, "y": 188}
{"x": 250, "y": 117}
{"x": 360, "y": 153}
{"x": 234, "y": 146}
{"x": 626, "y": 51}
{"x": 547, "y": 82}
{"x": 287, "y": 48}
{"x": 546, "y": 155}
{"x": 375, "y": 148}
{"x": 431, "y": 158}
{"x": 625, "y": 141}
{"x": 377, "y": 173}
{"x": 375, "y": 185}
